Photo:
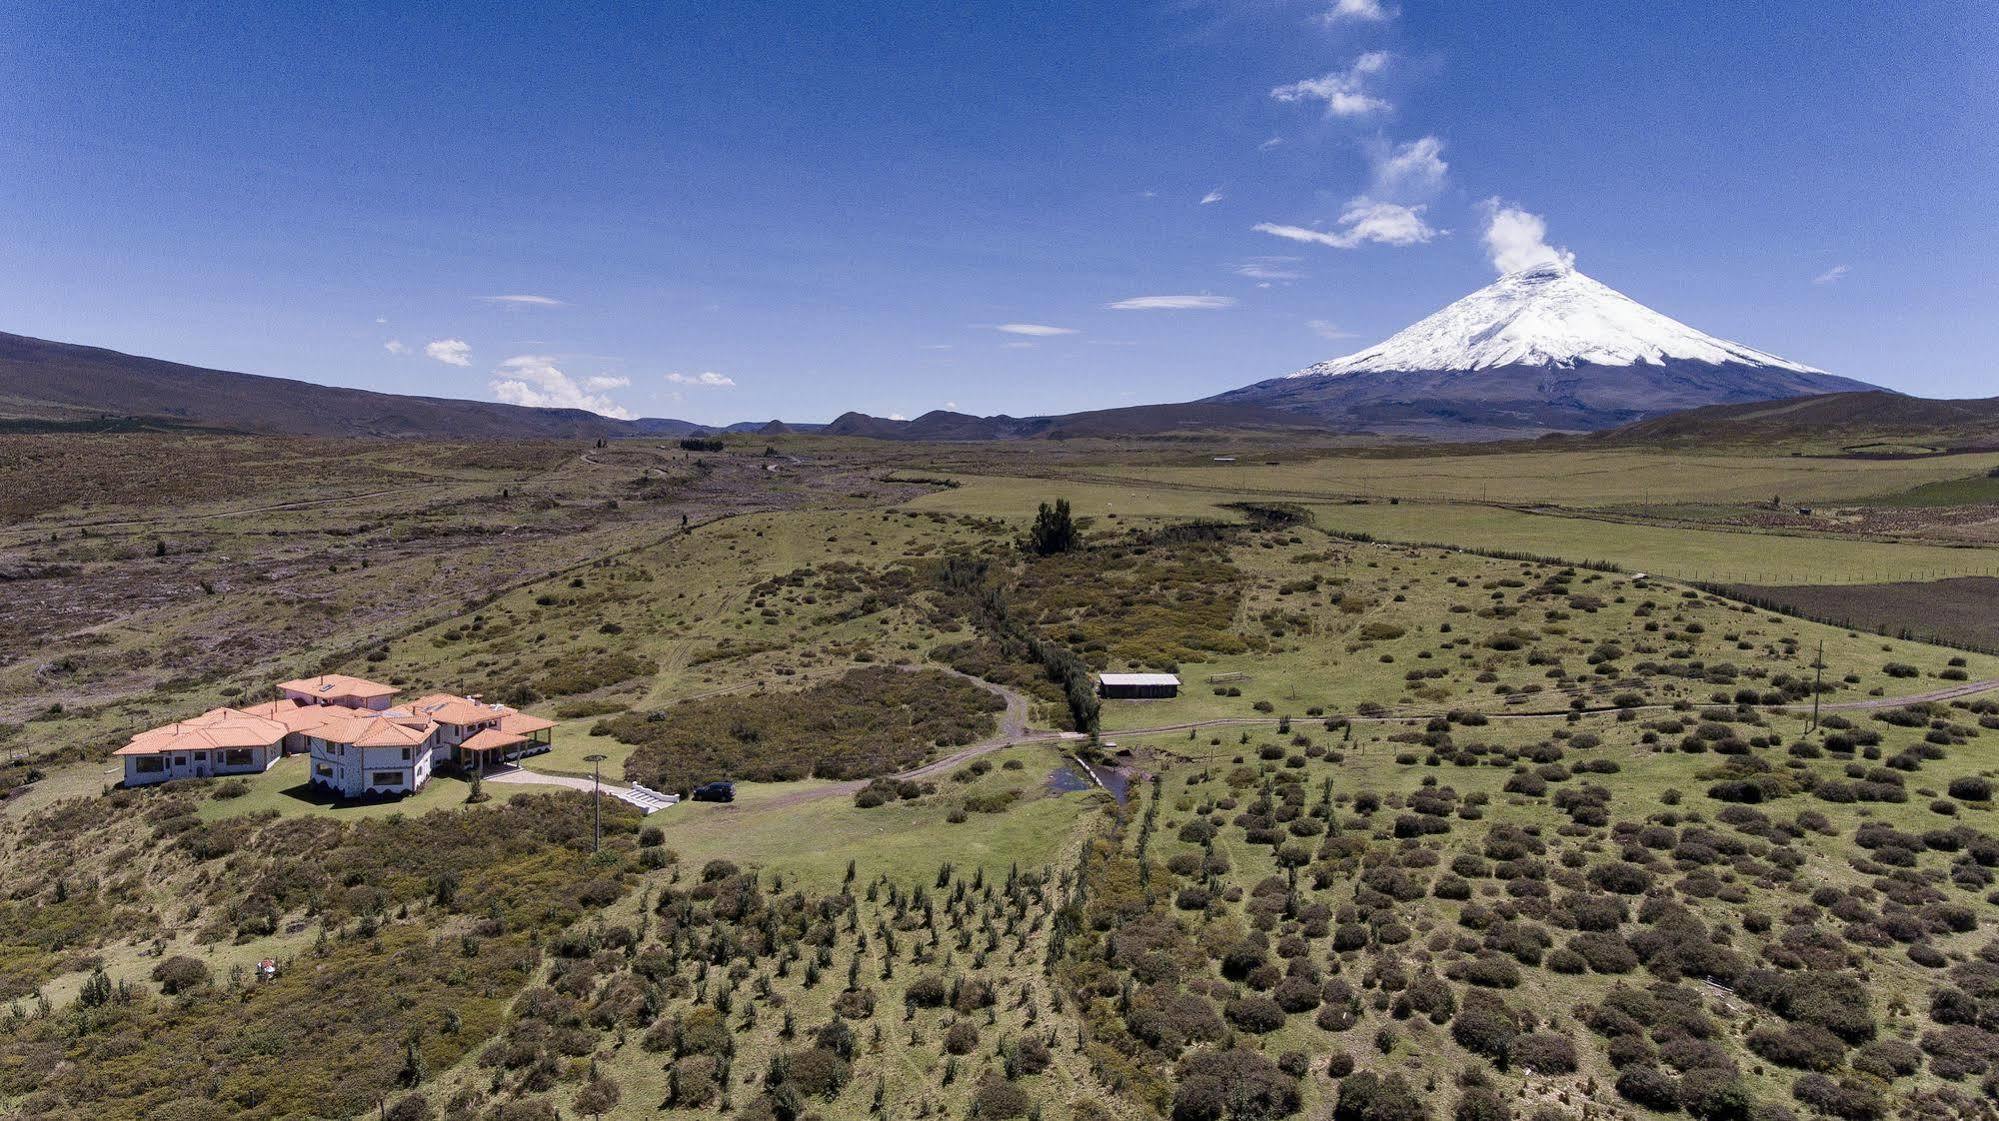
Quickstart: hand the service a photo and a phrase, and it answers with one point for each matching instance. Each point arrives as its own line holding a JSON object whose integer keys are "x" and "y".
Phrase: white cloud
{"x": 603, "y": 382}
{"x": 1212, "y": 197}
{"x": 451, "y": 352}
{"x": 1411, "y": 171}
{"x": 1832, "y": 275}
{"x": 935, "y": 346}
{"x": 395, "y": 346}
{"x": 1038, "y": 330}
{"x": 1327, "y": 330}
{"x": 1341, "y": 90}
{"x": 1270, "y": 268}
{"x": 897, "y": 416}
{"x": 951, "y": 405}
{"x": 1018, "y": 344}
{"x": 381, "y": 319}
{"x": 709, "y": 379}
{"x": 1363, "y": 221}
{"x": 1273, "y": 142}
{"x": 534, "y": 380}
{"x": 1173, "y": 303}
{"x": 1518, "y": 240}
{"x": 524, "y": 301}
{"x": 1358, "y": 11}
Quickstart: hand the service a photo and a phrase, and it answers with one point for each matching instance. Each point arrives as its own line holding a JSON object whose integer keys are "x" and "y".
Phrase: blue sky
{"x": 771, "y": 209}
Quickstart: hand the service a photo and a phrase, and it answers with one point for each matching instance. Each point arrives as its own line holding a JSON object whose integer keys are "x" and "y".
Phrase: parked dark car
{"x": 715, "y": 792}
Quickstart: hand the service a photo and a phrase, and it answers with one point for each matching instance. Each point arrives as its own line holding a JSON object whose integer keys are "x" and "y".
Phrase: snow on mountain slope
{"x": 1549, "y": 315}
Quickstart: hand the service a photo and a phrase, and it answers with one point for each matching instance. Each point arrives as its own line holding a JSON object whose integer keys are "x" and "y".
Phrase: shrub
{"x": 1971, "y": 788}
{"x": 997, "y": 1098}
{"x": 1486, "y": 1026}
{"x": 1650, "y": 1087}
{"x": 961, "y": 1038}
{"x": 180, "y": 973}
{"x": 1258, "y": 1014}
{"x": 1234, "y": 1084}
{"x": 1544, "y": 1053}
{"x": 1369, "y": 1097}
{"x": 1799, "y": 1046}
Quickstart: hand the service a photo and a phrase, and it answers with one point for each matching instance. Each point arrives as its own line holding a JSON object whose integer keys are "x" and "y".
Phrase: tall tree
{"x": 1054, "y": 530}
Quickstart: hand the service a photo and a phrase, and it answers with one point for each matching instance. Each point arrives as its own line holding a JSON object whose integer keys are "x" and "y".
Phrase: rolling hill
{"x": 54, "y": 381}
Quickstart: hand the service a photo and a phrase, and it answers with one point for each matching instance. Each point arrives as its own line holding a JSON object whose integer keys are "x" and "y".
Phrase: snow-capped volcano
{"x": 1543, "y": 348}
{"x": 1549, "y": 315}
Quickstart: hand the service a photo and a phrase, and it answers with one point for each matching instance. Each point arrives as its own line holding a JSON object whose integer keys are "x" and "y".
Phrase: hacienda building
{"x": 360, "y": 742}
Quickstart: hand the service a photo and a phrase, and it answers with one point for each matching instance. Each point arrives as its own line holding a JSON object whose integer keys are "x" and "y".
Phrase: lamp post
{"x": 596, "y": 799}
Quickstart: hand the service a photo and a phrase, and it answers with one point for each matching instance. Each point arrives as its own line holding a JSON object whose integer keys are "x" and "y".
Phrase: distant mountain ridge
{"x": 67, "y": 382}
{"x": 45, "y": 380}
{"x": 1544, "y": 348}
{"x": 1131, "y": 420}
{"x": 1876, "y": 414}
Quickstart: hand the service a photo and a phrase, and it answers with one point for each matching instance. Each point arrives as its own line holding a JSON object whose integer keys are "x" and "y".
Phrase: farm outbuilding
{"x": 1137, "y": 686}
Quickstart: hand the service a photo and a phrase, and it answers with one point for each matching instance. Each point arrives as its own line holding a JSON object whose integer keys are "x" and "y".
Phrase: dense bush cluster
{"x": 870, "y": 721}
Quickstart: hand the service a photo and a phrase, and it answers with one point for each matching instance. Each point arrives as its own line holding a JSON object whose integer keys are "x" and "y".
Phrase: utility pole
{"x": 596, "y": 800}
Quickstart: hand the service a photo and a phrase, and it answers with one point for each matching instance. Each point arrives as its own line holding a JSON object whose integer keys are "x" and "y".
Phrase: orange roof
{"x": 521, "y": 724}
{"x": 376, "y": 730}
{"x": 303, "y": 717}
{"x": 216, "y": 729}
{"x": 491, "y": 739}
{"x": 462, "y": 711}
{"x": 329, "y": 685}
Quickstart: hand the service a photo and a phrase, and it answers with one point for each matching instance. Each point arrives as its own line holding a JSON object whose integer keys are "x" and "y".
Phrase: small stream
{"x": 1074, "y": 776}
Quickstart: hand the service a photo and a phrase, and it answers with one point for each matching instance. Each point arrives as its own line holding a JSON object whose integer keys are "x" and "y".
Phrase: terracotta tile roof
{"x": 521, "y": 724}
{"x": 216, "y": 729}
{"x": 462, "y": 711}
{"x": 330, "y": 685}
{"x": 491, "y": 739}
{"x": 376, "y": 730}
{"x": 302, "y": 717}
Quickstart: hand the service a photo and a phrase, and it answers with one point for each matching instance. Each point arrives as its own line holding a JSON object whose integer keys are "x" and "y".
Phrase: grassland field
{"x": 1398, "y": 769}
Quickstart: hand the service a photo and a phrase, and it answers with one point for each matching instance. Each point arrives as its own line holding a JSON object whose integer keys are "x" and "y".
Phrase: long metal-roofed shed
{"x": 1137, "y": 686}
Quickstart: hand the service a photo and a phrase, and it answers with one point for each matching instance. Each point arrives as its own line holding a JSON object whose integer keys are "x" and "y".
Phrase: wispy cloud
{"x": 1832, "y": 275}
{"x": 451, "y": 352}
{"x": 1357, "y": 11}
{"x": 1342, "y": 90}
{"x": 1173, "y": 303}
{"x": 1270, "y": 268}
{"x": 1212, "y": 197}
{"x": 1364, "y": 221}
{"x": 1326, "y": 330}
{"x": 708, "y": 379}
{"x": 1409, "y": 172}
{"x": 1038, "y": 330}
{"x": 1273, "y": 142}
{"x": 1517, "y": 239}
{"x": 524, "y": 301}
{"x": 535, "y": 381}
{"x": 395, "y": 346}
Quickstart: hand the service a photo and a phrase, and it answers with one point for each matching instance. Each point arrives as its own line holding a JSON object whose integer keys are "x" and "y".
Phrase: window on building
{"x": 406, "y": 754}
{"x": 388, "y": 778}
{"x": 323, "y": 771}
{"x": 236, "y": 757}
{"x": 148, "y": 765}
